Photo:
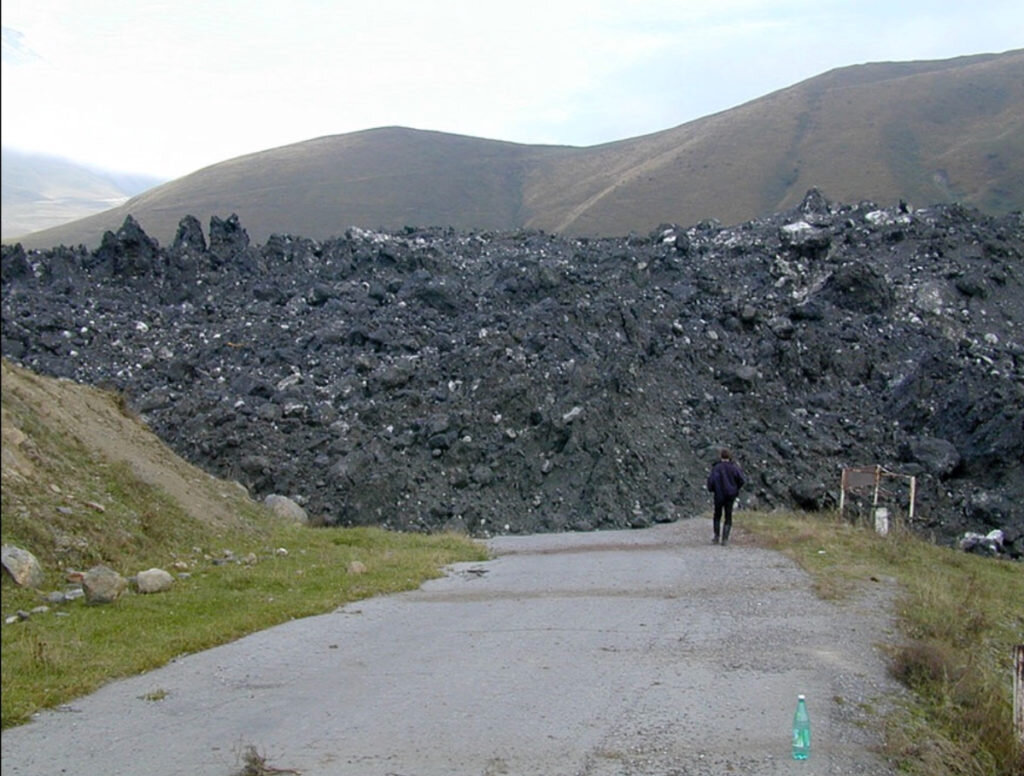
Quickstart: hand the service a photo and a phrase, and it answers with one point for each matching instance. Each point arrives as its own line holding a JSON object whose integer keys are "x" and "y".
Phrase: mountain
{"x": 924, "y": 132}
{"x": 40, "y": 191}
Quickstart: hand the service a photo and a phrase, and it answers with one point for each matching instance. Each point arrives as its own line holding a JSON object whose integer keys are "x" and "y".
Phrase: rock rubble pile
{"x": 428, "y": 379}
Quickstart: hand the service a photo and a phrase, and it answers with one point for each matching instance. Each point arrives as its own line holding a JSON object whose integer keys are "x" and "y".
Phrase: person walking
{"x": 724, "y": 481}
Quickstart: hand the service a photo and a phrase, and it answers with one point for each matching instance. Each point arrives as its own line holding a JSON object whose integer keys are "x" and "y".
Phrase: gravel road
{"x": 620, "y": 653}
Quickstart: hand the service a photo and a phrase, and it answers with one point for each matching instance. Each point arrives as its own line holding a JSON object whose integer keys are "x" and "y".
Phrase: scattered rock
{"x": 102, "y": 585}
{"x": 428, "y": 379}
{"x": 286, "y": 508}
{"x": 22, "y": 566}
{"x": 153, "y": 581}
{"x": 988, "y": 544}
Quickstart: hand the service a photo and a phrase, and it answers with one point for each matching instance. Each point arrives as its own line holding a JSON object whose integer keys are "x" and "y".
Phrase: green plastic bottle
{"x": 801, "y": 730}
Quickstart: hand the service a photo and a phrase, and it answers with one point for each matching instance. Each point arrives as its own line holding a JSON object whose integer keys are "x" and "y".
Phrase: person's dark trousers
{"x": 723, "y": 509}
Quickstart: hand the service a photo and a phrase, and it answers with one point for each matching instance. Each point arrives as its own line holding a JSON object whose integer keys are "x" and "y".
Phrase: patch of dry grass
{"x": 960, "y": 616}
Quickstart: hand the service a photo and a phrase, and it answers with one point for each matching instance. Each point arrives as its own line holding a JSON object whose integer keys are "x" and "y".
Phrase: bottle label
{"x": 801, "y": 743}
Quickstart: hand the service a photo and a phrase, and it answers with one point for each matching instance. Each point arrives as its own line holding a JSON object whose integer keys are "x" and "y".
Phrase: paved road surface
{"x": 616, "y": 653}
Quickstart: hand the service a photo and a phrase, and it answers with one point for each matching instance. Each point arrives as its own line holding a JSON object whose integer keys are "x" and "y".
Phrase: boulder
{"x": 983, "y": 544}
{"x": 809, "y": 494}
{"x": 739, "y": 379}
{"x": 153, "y": 581}
{"x": 286, "y": 508}
{"x": 15, "y": 264}
{"x": 22, "y": 566}
{"x": 860, "y": 288}
{"x": 189, "y": 236}
{"x": 102, "y": 585}
{"x": 130, "y": 252}
{"x": 802, "y": 239}
{"x": 988, "y": 508}
{"x": 938, "y": 457}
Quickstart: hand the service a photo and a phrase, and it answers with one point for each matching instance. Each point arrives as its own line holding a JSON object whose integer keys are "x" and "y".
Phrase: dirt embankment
{"x": 55, "y": 434}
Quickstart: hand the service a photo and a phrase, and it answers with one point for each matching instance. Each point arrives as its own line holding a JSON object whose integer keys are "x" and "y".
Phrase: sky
{"x": 166, "y": 88}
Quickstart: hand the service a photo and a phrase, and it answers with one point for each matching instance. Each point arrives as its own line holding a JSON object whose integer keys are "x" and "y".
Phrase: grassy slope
{"x": 960, "y": 616}
{"x": 85, "y": 484}
{"x": 925, "y": 131}
{"x": 877, "y": 131}
{"x": 41, "y": 191}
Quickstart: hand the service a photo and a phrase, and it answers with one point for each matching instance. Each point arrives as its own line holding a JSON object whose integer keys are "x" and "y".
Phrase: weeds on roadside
{"x": 960, "y": 617}
{"x": 255, "y": 764}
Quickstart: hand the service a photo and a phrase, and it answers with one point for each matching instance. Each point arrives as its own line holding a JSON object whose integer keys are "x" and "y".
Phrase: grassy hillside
{"x": 84, "y": 483}
{"x": 40, "y": 192}
{"x": 926, "y": 132}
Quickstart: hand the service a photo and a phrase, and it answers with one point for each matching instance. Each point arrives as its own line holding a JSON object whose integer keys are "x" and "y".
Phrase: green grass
{"x": 52, "y": 658}
{"x": 960, "y": 617}
{"x": 74, "y": 508}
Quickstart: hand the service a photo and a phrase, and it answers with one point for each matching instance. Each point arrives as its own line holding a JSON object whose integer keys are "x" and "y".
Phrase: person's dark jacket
{"x": 725, "y": 480}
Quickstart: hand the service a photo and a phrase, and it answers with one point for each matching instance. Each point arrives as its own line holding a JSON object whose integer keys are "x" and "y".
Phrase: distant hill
{"x": 925, "y": 132}
{"x": 40, "y": 192}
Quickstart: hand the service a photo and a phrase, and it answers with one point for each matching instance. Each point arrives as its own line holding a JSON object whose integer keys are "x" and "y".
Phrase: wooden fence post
{"x": 1018, "y": 692}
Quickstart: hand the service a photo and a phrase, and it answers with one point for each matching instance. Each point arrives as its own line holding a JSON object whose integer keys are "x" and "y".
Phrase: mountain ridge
{"x": 42, "y": 191}
{"x": 927, "y": 132}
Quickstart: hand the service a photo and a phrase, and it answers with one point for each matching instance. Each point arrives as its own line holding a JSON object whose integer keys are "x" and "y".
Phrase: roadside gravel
{"x": 625, "y": 653}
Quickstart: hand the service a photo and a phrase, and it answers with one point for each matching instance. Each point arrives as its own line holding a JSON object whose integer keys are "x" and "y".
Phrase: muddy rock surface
{"x": 504, "y": 383}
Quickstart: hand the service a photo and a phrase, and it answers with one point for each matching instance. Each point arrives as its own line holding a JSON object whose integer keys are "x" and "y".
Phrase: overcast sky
{"x": 166, "y": 87}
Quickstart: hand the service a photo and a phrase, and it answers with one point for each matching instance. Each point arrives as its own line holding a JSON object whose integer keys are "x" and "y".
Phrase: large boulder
{"x": 938, "y": 457}
{"x": 102, "y": 585}
{"x": 809, "y": 494}
{"x": 130, "y": 252}
{"x": 153, "y": 581}
{"x": 858, "y": 287}
{"x": 286, "y": 508}
{"x": 802, "y": 239}
{"x": 22, "y": 566}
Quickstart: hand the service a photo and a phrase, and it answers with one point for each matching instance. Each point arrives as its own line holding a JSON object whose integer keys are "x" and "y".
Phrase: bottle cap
{"x": 800, "y": 698}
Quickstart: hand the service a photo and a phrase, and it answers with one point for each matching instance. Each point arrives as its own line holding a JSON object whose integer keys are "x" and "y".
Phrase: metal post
{"x": 842, "y": 493}
{"x": 1018, "y": 692}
